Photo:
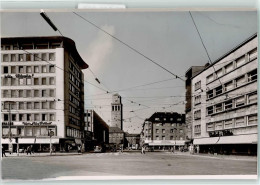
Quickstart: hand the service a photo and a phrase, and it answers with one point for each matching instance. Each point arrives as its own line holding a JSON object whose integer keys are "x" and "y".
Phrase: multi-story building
{"x": 117, "y": 112}
{"x": 164, "y": 130}
{"x": 189, "y": 74}
{"x": 96, "y": 130}
{"x": 116, "y": 136}
{"x": 42, "y": 91}
{"x": 224, "y": 102}
{"x": 132, "y": 140}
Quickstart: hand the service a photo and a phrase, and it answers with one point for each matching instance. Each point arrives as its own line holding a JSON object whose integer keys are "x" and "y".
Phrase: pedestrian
{"x": 142, "y": 150}
{"x": 172, "y": 149}
{"x": 198, "y": 149}
{"x": 3, "y": 151}
{"x": 29, "y": 150}
{"x": 79, "y": 149}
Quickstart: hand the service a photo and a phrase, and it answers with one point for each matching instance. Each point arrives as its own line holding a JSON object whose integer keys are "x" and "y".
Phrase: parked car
{"x": 98, "y": 149}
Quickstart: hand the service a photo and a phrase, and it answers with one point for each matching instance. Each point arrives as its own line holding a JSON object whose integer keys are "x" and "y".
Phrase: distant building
{"x": 116, "y": 136}
{"x": 117, "y": 112}
{"x": 132, "y": 140}
{"x": 224, "y": 102}
{"x": 42, "y": 88}
{"x": 189, "y": 74}
{"x": 96, "y": 130}
{"x": 164, "y": 130}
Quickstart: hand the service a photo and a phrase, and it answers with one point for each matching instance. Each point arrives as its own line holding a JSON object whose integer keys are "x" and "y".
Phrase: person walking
{"x": 79, "y": 149}
{"x": 29, "y": 150}
{"x": 3, "y": 151}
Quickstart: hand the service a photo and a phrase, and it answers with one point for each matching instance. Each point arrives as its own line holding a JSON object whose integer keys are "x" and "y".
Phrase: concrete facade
{"x": 43, "y": 84}
{"x": 224, "y": 102}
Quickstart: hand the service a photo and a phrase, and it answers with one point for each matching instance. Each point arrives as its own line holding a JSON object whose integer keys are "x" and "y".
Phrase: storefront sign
{"x": 23, "y": 76}
{"x": 7, "y": 123}
{"x": 8, "y": 76}
{"x": 37, "y": 123}
{"x": 221, "y": 133}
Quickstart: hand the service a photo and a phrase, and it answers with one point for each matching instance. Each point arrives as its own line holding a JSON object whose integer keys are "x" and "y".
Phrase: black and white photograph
{"x": 129, "y": 94}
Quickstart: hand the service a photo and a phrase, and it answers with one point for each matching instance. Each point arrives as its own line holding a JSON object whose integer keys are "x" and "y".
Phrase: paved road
{"x": 123, "y": 164}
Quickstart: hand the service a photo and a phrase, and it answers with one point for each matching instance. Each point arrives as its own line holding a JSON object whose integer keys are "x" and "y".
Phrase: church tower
{"x": 117, "y": 112}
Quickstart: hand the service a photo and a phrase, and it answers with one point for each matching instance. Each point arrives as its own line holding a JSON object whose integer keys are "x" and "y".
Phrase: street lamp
{"x": 174, "y": 139}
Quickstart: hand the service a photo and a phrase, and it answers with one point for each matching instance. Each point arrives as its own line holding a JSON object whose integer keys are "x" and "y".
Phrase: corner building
{"x": 224, "y": 102}
{"x": 42, "y": 91}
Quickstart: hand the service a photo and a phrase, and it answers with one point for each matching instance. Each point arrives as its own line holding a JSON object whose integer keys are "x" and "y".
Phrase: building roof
{"x": 226, "y": 54}
{"x": 115, "y": 130}
{"x": 68, "y": 44}
{"x": 166, "y": 117}
{"x": 131, "y": 135}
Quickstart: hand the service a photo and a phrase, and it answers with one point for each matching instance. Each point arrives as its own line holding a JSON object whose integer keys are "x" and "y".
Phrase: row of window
{"x": 28, "y": 57}
{"x": 172, "y": 124}
{"x": 29, "y": 131}
{"x": 29, "y": 105}
{"x": 28, "y": 81}
{"x": 232, "y": 84}
{"x": 116, "y": 107}
{"x": 157, "y": 131}
{"x": 28, "y": 93}
{"x": 47, "y": 45}
{"x": 30, "y": 117}
{"x": 233, "y": 103}
{"x": 74, "y": 80}
{"x": 233, "y": 123}
{"x": 232, "y": 65}
{"x": 28, "y": 69}
{"x": 74, "y": 69}
{"x": 164, "y": 138}
{"x": 73, "y": 110}
{"x": 73, "y": 100}
{"x": 165, "y": 119}
{"x": 72, "y": 132}
{"x": 74, "y": 121}
{"x": 74, "y": 90}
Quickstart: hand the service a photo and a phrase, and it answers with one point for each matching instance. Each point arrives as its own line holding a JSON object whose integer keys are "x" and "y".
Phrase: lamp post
{"x": 51, "y": 133}
{"x": 175, "y": 130}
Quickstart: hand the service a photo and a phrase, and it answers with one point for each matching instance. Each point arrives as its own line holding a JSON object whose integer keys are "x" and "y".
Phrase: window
{"x": 51, "y": 69}
{"x": 228, "y": 123}
{"x": 240, "y": 122}
{"x": 197, "y": 114}
{"x": 29, "y": 117}
{"x": 13, "y": 93}
{"x": 5, "y": 94}
{"x": 20, "y": 93}
{"x": 36, "y": 105}
{"x": 6, "y": 117}
{"x": 252, "y": 120}
{"x": 28, "y": 131}
{"x": 28, "y": 69}
{"x": 157, "y": 137}
{"x": 36, "y": 117}
{"x": 21, "y": 117}
{"x": 229, "y": 67}
{"x": 163, "y": 137}
{"x": 163, "y": 131}
{"x": 228, "y": 105}
{"x": 210, "y": 78}
{"x": 219, "y": 125}
{"x": 51, "y": 56}
{"x": 229, "y": 86}
{"x": 36, "y": 69}
{"x": 197, "y": 99}
{"x": 219, "y": 107}
{"x": 157, "y": 119}
{"x": 20, "y": 57}
{"x": 44, "y": 81}
{"x": 28, "y": 93}
{"x": 253, "y": 54}
{"x": 44, "y": 117}
{"x": 28, "y": 81}
{"x": 21, "y": 81}
{"x": 21, "y": 105}
{"x": 240, "y": 81}
{"x": 13, "y": 69}
{"x": 210, "y": 127}
{"x": 240, "y": 101}
{"x": 210, "y": 110}
{"x": 29, "y": 105}
{"x": 210, "y": 94}
{"x": 52, "y": 117}
{"x": 20, "y": 69}
{"x": 240, "y": 61}
{"x": 6, "y": 69}
{"x": 36, "y": 81}
{"x": 44, "y": 69}
{"x": 28, "y": 57}
{"x": 44, "y": 105}
{"x": 44, "y": 57}
{"x": 13, "y": 117}
{"x": 36, "y": 57}
{"x": 36, "y": 93}
{"x": 13, "y": 81}
{"x": 5, "y": 58}
{"x": 5, "y": 81}
{"x": 197, "y": 85}
{"x": 219, "y": 90}
{"x": 44, "y": 93}
{"x": 197, "y": 129}
{"x": 219, "y": 73}
{"x": 52, "y": 105}
{"x": 252, "y": 75}
{"x": 252, "y": 98}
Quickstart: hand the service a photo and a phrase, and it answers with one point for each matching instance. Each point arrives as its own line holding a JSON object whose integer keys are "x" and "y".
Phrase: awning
{"x": 7, "y": 141}
{"x": 240, "y": 139}
{"x": 167, "y": 143}
{"x": 38, "y": 140}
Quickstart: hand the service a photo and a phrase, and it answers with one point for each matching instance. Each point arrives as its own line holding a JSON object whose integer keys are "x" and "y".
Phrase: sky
{"x": 168, "y": 38}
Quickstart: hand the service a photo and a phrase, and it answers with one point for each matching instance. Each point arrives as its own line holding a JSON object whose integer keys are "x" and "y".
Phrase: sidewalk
{"x": 41, "y": 154}
{"x": 227, "y": 157}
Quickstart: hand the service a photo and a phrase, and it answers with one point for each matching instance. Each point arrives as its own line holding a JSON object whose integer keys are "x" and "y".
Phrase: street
{"x": 124, "y": 164}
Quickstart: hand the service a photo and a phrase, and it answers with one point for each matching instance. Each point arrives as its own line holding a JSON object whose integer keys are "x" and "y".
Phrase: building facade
{"x": 132, "y": 140}
{"x": 117, "y": 112}
{"x": 96, "y": 130}
{"x": 42, "y": 92}
{"x": 116, "y": 136}
{"x": 164, "y": 130}
{"x": 224, "y": 102}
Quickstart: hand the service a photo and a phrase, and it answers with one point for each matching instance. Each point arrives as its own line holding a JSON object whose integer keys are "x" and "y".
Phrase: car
{"x": 98, "y": 149}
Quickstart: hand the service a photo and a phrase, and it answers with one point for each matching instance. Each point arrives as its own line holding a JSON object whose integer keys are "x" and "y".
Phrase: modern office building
{"x": 96, "y": 130}
{"x": 164, "y": 130}
{"x": 224, "y": 102}
{"x": 42, "y": 92}
{"x": 117, "y": 112}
